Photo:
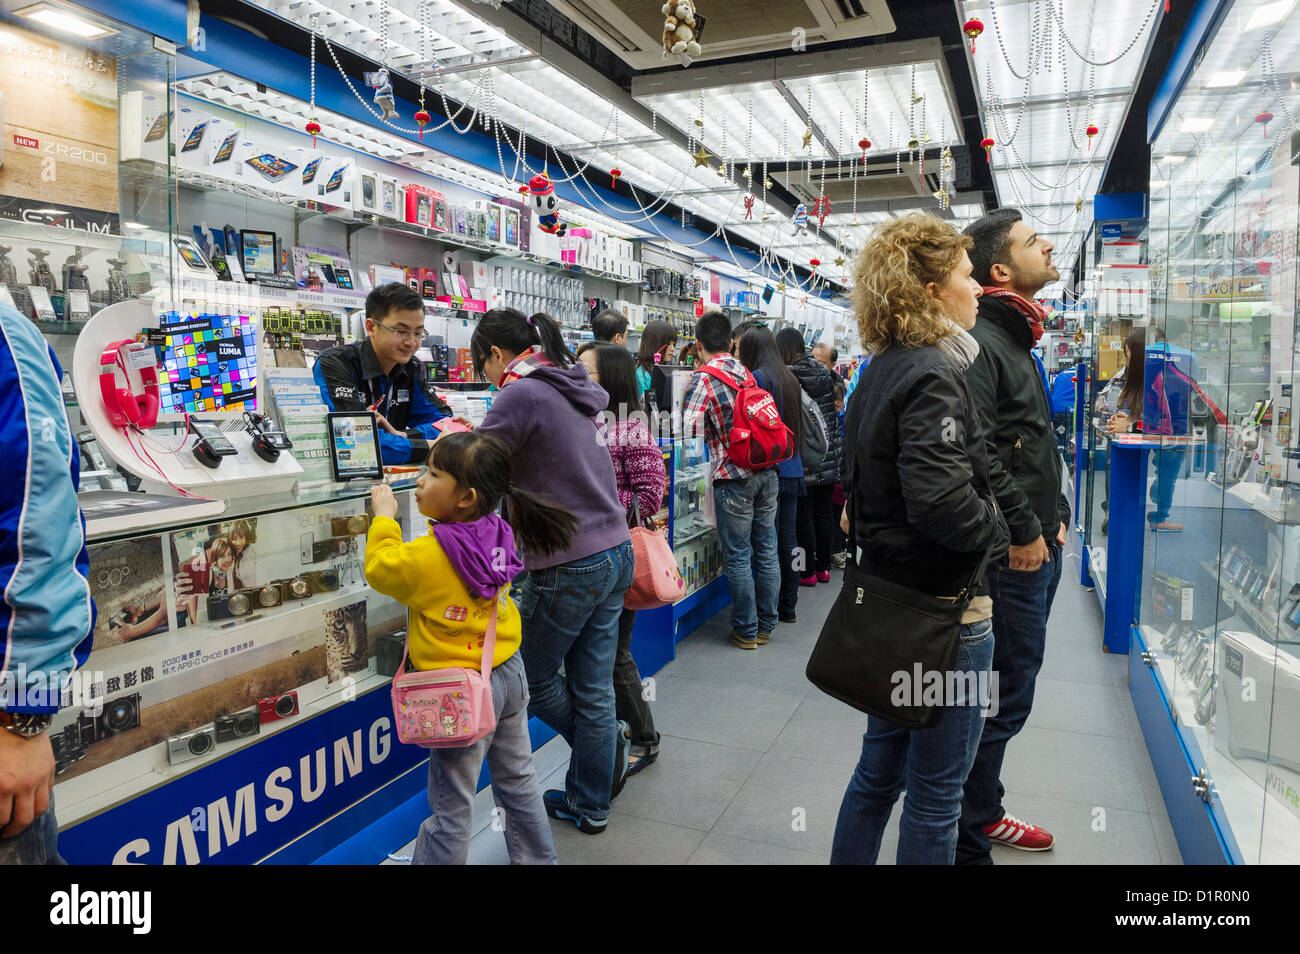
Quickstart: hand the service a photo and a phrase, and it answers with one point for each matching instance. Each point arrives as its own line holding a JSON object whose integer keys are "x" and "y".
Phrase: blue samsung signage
{"x": 244, "y": 807}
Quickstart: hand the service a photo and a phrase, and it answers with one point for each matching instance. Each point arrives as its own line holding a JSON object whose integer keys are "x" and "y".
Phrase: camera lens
{"x": 246, "y": 725}
{"x": 268, "y": 596}
{"x": 239, "y": 605}
{"x": 119, "y": 716}
{"x": 357, "y": 523}
{"x": 298, "y": 587}
{"x": 329, "y": 580}
{"x": 285, "y": 705}
{"x": 200, "y": 744}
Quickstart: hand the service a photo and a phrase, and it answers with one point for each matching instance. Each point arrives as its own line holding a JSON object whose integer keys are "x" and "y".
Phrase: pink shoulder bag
{"x": 656, "y": 580}
{"x": 446, "y": 708}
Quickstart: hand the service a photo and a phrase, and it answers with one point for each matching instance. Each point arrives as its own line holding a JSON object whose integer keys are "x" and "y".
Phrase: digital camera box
{"x": 391, "y": 199}
{"x": 367, "y": 199}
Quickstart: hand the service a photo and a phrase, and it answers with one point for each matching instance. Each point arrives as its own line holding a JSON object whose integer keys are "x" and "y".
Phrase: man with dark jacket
{"x": 1009, "y": 387}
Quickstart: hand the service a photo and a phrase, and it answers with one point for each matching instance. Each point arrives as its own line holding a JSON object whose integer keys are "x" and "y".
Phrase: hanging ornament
{"x": 422, "y": 117}
{"x": 313, "y": 127}
{"x": 613, "y": 176}
{"x": 814, "y": 262}
{"x": 800, "y": 218}
{"x": 1078, "y": 204}
{"x": 807, "y": 138}
{"x": 749, "y": 205}
{"x": 821, "y": 209}
{"x": 864, "y": 144}
{"x": 1091, "y": 131}
{"x": 972, "y": 28}
{"x": 383, "y": 87}
{"x": 702, "y": 157}
{"x": 1264, "y": 119}
{"x": 987, "y": 145}
{"x": 839, "y": 261}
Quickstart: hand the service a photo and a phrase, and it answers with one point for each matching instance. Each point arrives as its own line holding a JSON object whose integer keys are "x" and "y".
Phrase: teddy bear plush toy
{"x": 679, "y": 28}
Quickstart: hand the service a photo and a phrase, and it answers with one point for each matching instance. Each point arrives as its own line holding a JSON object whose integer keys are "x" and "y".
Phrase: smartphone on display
{"x": 309, "y": 171}
{"x": 227, "y": 148}
{"x": 211, "y": 435}
{"x": 191, "y": 254}
{"x": 367, "y": 191}
{"x": 158, "y": 129}
{"x": 343, "y": 278}
{"x": 336, "y": 180}
{"x": 271, "y": 166}
{"x": 194, "y": 138}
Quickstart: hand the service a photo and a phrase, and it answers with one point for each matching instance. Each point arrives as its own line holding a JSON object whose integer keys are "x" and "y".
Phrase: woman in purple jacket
{"x": 547, "y": 414}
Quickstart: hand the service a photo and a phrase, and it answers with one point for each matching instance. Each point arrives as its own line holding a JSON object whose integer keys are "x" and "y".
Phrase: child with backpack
{"x": 451, "y": 579}
{"x": 746, "y": 439}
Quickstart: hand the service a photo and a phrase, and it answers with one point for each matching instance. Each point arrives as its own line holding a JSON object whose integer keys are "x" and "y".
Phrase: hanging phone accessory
{"x": 135, "y": 405}
{"x": 267, "y": 441}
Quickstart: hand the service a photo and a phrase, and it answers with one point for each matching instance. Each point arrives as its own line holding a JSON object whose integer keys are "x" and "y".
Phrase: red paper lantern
{"x": 1264, "y": 119}
{"x": 815, "y": 262}
{"x": 613, "y": 176}
{"x": 523, "y": 190}
{"x": 972, "y": 28}
{"x": 987, "y": 145}
{"x": 422, "y": 119}
{"x": 1090, "y": 132}
{"x": 864, "y": 144}
{"x": 313, "y": 128}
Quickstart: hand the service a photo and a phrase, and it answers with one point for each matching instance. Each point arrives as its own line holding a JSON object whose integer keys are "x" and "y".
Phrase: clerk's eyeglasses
{"x": 415, "y": 335}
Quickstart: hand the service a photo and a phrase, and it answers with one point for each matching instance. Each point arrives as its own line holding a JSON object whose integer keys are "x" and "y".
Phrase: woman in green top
{"x": 658, "y": 341}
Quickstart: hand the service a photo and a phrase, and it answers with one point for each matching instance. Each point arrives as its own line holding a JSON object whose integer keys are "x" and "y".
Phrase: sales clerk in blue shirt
{"x": 382, "y": 373}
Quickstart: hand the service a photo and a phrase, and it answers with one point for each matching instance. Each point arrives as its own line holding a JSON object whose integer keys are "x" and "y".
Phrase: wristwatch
{"x": 27, "y": 724}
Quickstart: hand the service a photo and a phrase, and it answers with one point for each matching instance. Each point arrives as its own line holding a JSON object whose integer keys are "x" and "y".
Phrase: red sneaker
{"x": 808, "y": 580}
{"x": 824, "y": 576}
{"x": 1014, "y": 833}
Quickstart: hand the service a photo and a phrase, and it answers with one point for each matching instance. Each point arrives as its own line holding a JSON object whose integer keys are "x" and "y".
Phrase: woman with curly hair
{"x": 919, "y": 513}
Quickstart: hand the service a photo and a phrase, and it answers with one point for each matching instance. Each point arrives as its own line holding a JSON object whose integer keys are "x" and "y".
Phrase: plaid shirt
{"x": 707, "y": 413}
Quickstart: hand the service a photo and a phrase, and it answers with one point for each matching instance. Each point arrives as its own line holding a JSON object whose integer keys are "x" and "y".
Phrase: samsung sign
{"x": 242, "y": 808}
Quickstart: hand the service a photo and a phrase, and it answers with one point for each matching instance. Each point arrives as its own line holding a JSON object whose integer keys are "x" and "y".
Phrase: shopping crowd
{"x": 935, "y": 471}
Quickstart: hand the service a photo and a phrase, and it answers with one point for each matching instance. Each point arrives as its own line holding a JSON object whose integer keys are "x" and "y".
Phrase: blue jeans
{"x": 747, "y": 529}
{"x": 1169, "y": 467}
{"x": 570, "y": 618}
{"x": 37, "y": 844}
{"x": 930, "y": 763}
{"x": 453, "y": 779}
{"x": 787, "y": 539}
{"x": 1021, "y": 603}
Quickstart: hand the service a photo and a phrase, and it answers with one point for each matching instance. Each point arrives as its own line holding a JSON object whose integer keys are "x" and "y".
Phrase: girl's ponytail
{"x": 551, "y": 340}
{"x": 510, "y": 330}
{"x": 539, "y": 526}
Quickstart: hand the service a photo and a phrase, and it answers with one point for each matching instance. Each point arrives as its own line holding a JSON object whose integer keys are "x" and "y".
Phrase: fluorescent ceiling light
{"x": 57, "y": 18}
{"x": 1225, "y": 78}
{"x": 1196, "y": 124}
{"x": 1269, "y": 14}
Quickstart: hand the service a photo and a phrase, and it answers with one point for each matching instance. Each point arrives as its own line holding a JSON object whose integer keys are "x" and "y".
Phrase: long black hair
{"x": 509, "y": 330}
{"x": 1130, "y": 397}
{"x": 480, "y": 461}
{"x": 617, "y": 370}
{"x": 758, "y": 353}
{"x": 790, "y": 343}
{"x": 656, "y": 336}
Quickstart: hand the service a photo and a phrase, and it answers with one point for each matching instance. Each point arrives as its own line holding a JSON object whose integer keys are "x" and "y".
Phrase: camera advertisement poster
{"x": 128, "y": 586}
{"x": 59, "y": 106}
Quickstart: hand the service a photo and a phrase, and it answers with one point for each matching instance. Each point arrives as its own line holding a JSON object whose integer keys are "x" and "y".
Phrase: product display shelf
{"x": 1234, "y": 598}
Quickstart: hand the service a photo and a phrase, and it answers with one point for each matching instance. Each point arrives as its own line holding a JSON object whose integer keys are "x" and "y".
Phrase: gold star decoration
{"x": 702, "y": 157}
{"x": 699, "y": 122}
{"x": 1078, "y": 204}
{"x": 916, "y": 98}
{"x": 807, "y": 137}
{"x": 780, "y": 286}
{"x": 839, "y": 261}
{"x": 746, "y": 174}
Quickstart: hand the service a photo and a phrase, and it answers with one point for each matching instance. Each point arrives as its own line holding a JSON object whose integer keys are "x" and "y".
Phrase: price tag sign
{"x": 41, "y": 302}
{"x": 78, "y": 304}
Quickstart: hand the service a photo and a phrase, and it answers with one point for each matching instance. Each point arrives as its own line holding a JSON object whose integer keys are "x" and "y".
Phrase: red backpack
{"x": 758, "y": 437}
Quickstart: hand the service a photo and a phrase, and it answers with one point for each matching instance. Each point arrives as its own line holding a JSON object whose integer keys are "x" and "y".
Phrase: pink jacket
{"x": 638, "y": 466}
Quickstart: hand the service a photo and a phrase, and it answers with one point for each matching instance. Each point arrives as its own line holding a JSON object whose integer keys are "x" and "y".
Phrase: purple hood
{"x": 482, "y": 551}
{"x": 575, "y": 385}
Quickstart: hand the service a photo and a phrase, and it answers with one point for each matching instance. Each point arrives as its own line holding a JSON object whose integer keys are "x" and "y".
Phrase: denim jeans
{"x": 1021, "y": 603}
{"x": 629, "y": 703}
{"x": 37, "y": 844}
{"x": 570, "y": 617}
{"x": 793, "y": 565}
{"x": 1169, "y": 467}
{"x": 930, "y": 763}
{"x": 747, "y": 529}
{"x": 453, "y": 776}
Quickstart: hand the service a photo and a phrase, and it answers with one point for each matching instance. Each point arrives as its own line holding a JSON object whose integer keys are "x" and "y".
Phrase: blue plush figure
{"x": 383, "y": 93}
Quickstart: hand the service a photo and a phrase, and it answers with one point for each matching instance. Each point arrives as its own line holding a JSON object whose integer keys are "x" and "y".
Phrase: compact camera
{"x": 389, "y": 650}
{"x": 278, "y": 707}
{"x": 322, "y": 581}
{"x": 191, "y": 745}
{"x": 349, "y": 526}
{"x": 244, "y": 602}
{"x": 239, "y": 725}
{"x": 119, "y": 715}
{"x": 325, "y": 549}
{"x": 297, "y": 588}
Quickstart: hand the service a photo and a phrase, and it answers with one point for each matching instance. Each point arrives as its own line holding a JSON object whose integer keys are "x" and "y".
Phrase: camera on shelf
{"x": 322, "y": 581}
{"x": 191, "y": 745}
{"x": 335, "y": 546}
{"x": 244, "y": 602}
{"x": 118, "y": 716}
{"x": 67, "y": 747}
{"x": 239, "y": 725}
{"x": 278, "y": 707}
{"x": 389, "y": 650}
{"x": 349, "y": 526}
{"x": 297, "y": 588}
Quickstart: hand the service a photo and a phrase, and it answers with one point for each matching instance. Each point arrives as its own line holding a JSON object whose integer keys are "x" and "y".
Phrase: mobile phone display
{"x": 226, "y": 148}
{"x": 211, "y": 435}
{"x": 194, "y": 138}
{"x": 309, "y": 171}
{"x": 191, "y": 254}
{"x": 343, "y": 278}
{"x": 367, "y": 191}
{"x": 158, "y": 129}
{"x": 336, "y": 180}
{"x": 272, "y": 166}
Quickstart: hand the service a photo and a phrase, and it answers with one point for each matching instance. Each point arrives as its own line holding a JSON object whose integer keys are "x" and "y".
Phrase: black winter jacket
{"x": 1024, "y": 463}
{"x": 917, "y": 475}
{"x": 820, "y": 386}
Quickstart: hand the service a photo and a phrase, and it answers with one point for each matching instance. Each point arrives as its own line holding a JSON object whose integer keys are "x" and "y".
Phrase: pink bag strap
{"x": 489, "y": 643}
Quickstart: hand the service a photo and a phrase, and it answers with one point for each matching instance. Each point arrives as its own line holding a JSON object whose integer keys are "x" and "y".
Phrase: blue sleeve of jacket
{"x": 47, "y": 611}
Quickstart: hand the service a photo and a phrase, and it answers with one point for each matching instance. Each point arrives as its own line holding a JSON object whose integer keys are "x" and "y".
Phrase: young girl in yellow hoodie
{"x": 449, "y": 579}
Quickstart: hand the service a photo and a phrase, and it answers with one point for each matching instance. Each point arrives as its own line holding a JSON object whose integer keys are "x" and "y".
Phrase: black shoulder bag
{"x": 877, "y": 629}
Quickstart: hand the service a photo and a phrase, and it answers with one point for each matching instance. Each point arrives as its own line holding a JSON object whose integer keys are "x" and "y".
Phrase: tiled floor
{"x": 754, "y": 760}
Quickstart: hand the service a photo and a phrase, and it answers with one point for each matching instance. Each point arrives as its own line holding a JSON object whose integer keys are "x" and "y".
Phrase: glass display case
{"x": 1220, "y": 609}
{"x": 692, "y": 535}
